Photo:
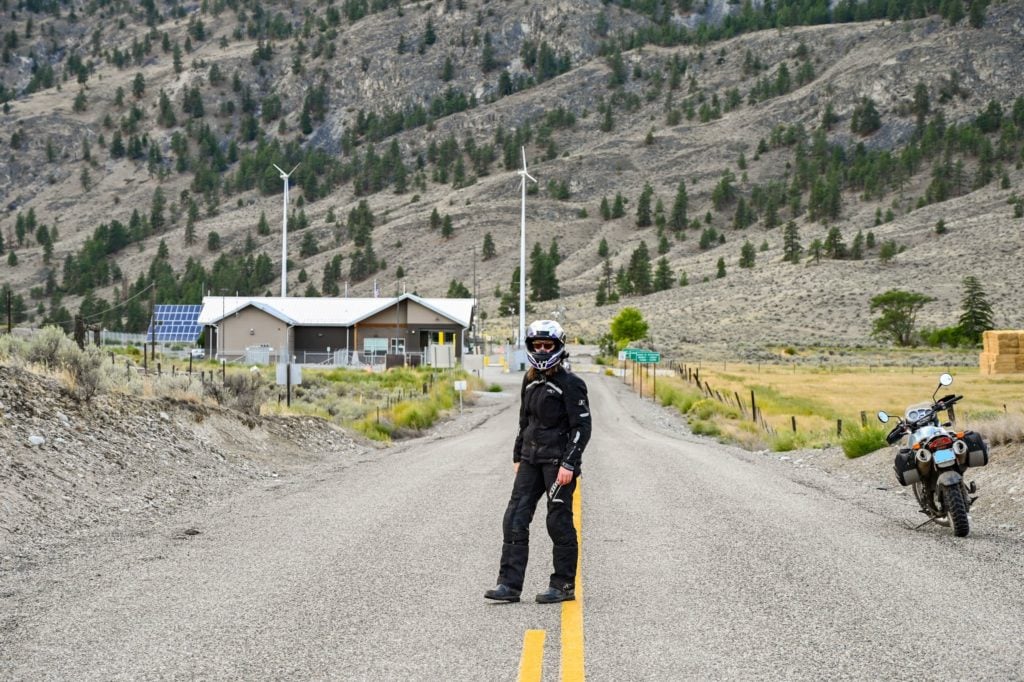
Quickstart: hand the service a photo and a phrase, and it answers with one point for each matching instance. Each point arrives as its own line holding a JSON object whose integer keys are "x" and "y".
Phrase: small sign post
{"x": 460, "y": 386}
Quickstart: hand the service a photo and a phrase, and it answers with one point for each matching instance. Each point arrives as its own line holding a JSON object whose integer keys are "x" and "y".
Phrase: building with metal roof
{"x": 335, "y": 330}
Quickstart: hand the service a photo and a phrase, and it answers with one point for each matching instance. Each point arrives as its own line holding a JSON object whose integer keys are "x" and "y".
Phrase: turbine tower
{"x": 284, "y": 232}
{"x": 522, "y": 255}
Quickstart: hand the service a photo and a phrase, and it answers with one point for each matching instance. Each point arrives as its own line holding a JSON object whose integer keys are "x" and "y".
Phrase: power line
{"x": 122, "y": 303}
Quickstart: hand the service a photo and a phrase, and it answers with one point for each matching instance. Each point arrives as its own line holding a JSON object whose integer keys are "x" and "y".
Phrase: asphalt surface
{"x": 699, "y": 562}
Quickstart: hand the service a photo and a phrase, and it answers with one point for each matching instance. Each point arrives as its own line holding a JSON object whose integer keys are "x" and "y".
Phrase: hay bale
{"x": 1003, "y": 341}
{"x": 1000, "y": 363}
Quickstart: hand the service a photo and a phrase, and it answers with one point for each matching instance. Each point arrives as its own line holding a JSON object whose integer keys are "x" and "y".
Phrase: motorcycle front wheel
{"x": 956, "y": 509}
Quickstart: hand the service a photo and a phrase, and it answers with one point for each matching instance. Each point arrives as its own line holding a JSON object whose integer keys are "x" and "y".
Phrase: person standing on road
{"x": 554, "y": 428}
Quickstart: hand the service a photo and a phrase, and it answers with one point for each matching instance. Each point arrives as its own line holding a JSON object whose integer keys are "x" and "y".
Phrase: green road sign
{"x": 647, "y": 356}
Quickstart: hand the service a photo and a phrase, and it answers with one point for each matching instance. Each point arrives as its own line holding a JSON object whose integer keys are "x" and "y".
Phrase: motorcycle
{"x": 933, "y": 459}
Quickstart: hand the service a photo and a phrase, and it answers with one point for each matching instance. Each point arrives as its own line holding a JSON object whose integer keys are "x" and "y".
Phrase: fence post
{"x": 793, "y": 419}
{"x": 753, "y": 405}
{"x": 863, "y": 418}
{"x": 839, "y": 428}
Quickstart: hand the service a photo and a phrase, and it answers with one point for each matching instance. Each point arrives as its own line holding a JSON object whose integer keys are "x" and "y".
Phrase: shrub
{"x": 494, "y": 388}
{"x": 706, "y": 408}
{"x": 11, "y": 347}
{"x": 784, "y": 441}
{"x": 47, "y": 347}
{"x": 372, "y": 429}
{"x": 414, "y": 414}
{"x": 704, "y": 428}
{"x": 858, "y": 441}
{"x": 680, "y": 398}
{"x": 84, "y": 370}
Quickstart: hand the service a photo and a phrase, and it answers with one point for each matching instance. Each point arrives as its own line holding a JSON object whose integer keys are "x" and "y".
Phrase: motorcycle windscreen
{"x": 944, "y": 458}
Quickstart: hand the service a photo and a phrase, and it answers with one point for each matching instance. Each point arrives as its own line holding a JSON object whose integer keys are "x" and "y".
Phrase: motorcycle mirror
{"x": 883, "y": 417}
{"x": 945, "y": 379}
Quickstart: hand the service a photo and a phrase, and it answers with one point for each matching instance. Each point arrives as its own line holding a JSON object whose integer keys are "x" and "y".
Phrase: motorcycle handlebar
{"x": 895, "y": 435}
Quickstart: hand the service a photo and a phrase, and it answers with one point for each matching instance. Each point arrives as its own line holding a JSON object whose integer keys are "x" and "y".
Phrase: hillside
{"x": 686, "y": 113}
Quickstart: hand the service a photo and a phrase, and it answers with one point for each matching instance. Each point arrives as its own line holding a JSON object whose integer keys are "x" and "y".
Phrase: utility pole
{"x": 152, "y": 320}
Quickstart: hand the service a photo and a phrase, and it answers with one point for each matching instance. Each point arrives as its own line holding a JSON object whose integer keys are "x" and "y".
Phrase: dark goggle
{"x": 543, "y": 345}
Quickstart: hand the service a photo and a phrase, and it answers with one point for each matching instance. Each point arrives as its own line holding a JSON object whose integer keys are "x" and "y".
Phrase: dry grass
{"x": 998, "y": 429}
{"x": 817, "y": 398}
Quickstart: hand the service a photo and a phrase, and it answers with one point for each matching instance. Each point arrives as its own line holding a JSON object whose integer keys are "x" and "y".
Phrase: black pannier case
{"x": 906, "y": 467}
{"x": 977, "y": 449}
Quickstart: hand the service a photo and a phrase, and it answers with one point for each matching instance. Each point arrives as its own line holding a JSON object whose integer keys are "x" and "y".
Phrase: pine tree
{"x": 309, "y": 246}
{"x": 834, "y": 247}
{"x": 156, "y": 211}
{"x": 619, "y": 207}
{"x": 457, "y": 289}
{"x": 435, "y": 219}
{"x": 606, "y": 211}
{"x": 543, "y": 283}
{"x": 553, "y": 255}
{"x": 747, "y": 255}
{"x": 640, "y": 270}
{"x": 488, "y": 248}
{"x": 857, "y": 248}
{"x": 663, "y": 275}
{"x": 791, "y": 247}
{"x": 720, "y": 273}
{"x": 977, "y": 312}
{"x": 678, "y": 220}
{"x": 643, "y": 206}
{"x": 602, "y": 248}
{"x": 446, "y": 227}
{"x": 815, "y": 250}
{"x": 263, "y": 227}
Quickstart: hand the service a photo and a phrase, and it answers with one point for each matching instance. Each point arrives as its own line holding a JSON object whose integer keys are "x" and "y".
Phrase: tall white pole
{"x": 522, "y": 257}
{"x": 284, "y": 232}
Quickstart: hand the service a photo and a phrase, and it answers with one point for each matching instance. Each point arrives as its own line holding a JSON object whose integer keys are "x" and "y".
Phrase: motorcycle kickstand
{"x": 921, "y": 525}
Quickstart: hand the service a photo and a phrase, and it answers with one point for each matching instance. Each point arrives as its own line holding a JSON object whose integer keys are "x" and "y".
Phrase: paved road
{"x": 699, "y": 562}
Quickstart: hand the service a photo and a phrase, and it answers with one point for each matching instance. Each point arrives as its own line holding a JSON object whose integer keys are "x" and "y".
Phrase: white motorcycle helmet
{"x": 541, "y": 331}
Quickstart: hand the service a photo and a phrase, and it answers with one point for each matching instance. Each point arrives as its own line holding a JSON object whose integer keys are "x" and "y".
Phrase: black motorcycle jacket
{"x": 554, "y": 420}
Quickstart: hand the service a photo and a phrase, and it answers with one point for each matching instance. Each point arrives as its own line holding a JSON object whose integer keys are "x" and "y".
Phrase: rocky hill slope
{"x": 720, "y": 118}
{"x": 71, "y": 470}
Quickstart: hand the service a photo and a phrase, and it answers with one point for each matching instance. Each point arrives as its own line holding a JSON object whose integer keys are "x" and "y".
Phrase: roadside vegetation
{"x": 382, "y": 406}
{"x": 802, "y": 407}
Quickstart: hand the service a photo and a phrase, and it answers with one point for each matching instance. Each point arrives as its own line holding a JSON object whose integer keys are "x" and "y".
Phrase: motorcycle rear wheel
{"x": 956, "y": 508}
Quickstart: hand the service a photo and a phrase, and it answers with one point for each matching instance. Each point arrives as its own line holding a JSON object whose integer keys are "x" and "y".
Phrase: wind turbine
{"x": 522, "y": 255}
{"x": 284, "y": 232}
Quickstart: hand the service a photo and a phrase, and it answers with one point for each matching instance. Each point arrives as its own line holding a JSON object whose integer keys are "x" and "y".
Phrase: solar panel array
{"x": 175, "y": 323}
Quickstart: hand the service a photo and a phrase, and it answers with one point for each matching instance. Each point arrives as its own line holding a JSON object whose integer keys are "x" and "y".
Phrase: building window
{"x": 397, "y": 346}
{"x": 375, "y": 346}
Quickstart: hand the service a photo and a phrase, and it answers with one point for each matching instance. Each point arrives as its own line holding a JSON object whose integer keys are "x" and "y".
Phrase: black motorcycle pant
{"x": 532, "y": 482}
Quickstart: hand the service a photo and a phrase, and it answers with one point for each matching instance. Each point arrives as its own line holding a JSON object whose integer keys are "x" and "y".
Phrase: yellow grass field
{"x": 818, "y": 397}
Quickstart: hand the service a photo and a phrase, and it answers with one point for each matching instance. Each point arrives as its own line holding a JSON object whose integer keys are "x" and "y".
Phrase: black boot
{"x": 503, "y": 593}
{"x": 553, "y": 595}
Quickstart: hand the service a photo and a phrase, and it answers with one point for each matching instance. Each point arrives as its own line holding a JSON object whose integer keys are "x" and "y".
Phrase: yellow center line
{"x": 572, "y": 611}
{"x": 532, "y": 660}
